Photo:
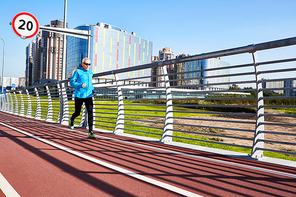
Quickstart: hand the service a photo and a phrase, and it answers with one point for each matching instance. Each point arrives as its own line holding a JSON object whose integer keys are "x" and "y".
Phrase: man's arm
{"x": 73, "y": 81}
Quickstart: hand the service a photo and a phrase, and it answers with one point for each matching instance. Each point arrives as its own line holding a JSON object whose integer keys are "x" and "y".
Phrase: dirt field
{"x": 275, "y": 137}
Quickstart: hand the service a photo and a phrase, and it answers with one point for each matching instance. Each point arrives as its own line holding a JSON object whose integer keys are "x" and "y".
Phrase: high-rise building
{"x": 178, "y": 76}
{"x": 22, "y": 82}
{"x": 110, "y": 48}
{"x": 273, "y": 85}
{"x": 290, "y": 85}
{"x": 9, "y": 82}
{"x": 164, "y": 54}
{"x": 30, "y": 50}
{"x": 154, "y": 73}
{"x": 201, "y": 66}
{"x": 180, "y": 67}
{"x": 47, "y": 55}
{"x": 52, "y": 57}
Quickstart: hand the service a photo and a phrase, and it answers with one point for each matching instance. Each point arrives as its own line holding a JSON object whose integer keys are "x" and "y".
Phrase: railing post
{"x": 65, "y": 116}
{"x": 22, "y": 111}
{"x": 119, "y": 127}
{"x": 1, "y": 102}
{"x": 16, "y": 104}
{"x": 38, "y": 109}
{"x": 258, "y": 135}
{"x": 84, "y": 117}
{"x": 59, "y": 119}
{"x": 10, "y": 108}
{"x": 65, "y": 107}
{"x": 7, "y": 105}
{"x": 49, "y": 111}
{"x": 4, "y": 103}
{"x": 29, "y": 110}
{"x": 168, "y": 124}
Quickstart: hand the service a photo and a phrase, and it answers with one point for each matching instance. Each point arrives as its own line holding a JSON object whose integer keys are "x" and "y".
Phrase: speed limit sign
{"x": 25, "y": 25}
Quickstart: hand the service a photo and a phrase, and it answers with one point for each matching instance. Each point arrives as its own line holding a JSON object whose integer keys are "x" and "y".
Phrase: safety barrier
{"x": 186, "y": 99}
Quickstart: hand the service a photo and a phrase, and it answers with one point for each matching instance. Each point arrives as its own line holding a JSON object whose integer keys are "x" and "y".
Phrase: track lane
{"x": 36, "y": 169}
{"x": 200, "y": 176}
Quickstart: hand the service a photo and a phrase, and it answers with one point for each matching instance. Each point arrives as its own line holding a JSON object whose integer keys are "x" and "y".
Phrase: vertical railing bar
{"x": 11, "y": 103}
{"x": 5, "y": 103}
{"x": 16, "y": 104}
{"x": 119, "y": 126}
{"x": 29, "y": 110}
{"x": 168, "y": 124}
{"x": 260, "y": 112}
{"x": 8, "y": 103}
{"x": 49, "y": 111}
{"x": 59, "y": 119}
{"x": 22, "y": 104}
{"x": 1, "y": 102}
{"x": 65, "y": 106}
{"x": 38, "y": 107}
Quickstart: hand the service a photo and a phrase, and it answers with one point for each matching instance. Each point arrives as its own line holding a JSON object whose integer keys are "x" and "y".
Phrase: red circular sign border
{"x": 25, "y": 13}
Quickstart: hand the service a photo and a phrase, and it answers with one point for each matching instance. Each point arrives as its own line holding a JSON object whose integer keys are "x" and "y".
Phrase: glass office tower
{"x": 199, "y": 65}
{"x": 110, "y": 49}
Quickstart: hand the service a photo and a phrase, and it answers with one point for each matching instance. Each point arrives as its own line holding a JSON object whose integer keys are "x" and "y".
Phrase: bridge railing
{"x": 193, "y": 99}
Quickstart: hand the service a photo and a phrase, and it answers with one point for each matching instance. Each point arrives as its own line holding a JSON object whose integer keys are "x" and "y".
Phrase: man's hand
{"x": 83, "y": 85}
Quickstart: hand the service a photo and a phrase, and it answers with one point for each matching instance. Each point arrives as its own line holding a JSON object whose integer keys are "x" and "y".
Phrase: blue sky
{"x": 187, "y": 26}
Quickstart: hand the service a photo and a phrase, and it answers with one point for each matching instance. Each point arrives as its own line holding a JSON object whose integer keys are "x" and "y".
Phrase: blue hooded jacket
{"x": 79, "y": 77}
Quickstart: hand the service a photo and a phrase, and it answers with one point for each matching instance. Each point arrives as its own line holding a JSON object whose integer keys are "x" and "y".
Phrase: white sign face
{"x": 25, "y": 25}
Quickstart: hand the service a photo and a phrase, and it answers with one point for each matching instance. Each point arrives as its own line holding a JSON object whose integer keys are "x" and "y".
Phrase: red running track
{"x": 57, "y": 161}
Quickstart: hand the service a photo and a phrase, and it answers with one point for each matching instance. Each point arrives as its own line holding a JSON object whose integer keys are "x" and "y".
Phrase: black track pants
{"x": 89, "y": 106}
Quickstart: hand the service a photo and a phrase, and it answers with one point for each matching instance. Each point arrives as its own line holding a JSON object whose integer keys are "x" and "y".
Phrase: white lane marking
{"x": 111, "y": 166}
{"x": 188, "y": 155}
{"x": 184, "y": 154}
{"x": 6, "y": 188}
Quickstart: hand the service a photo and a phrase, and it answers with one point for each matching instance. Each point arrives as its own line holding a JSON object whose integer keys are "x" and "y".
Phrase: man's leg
{"x": 78, "y": 104}
{"x": 89, "y": 107}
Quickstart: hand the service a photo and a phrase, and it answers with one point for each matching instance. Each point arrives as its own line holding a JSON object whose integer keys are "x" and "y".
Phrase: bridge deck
{"x": 38, "y": 158}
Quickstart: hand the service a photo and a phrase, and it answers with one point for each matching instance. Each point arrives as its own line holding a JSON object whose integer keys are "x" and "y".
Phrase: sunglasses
{"x": 88, "y": 64}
